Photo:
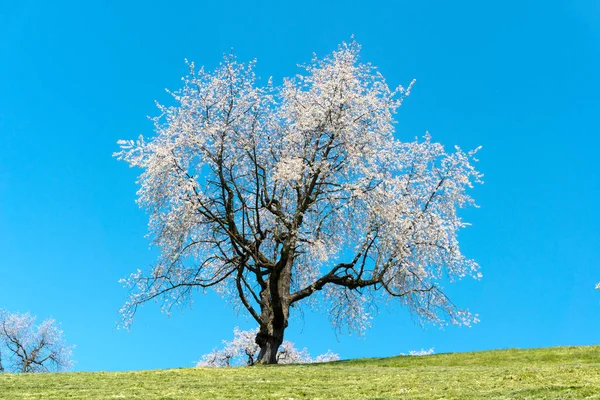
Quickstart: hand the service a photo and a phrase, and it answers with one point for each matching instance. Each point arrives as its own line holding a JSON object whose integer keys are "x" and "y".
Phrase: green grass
{"x": 553, "y": 373}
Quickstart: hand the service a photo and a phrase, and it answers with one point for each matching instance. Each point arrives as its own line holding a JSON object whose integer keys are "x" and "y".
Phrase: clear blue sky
{"x": 520, "y": 78}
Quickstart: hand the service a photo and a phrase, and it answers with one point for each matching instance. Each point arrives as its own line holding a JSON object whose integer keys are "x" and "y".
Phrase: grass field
{"x": 552, "y": 373}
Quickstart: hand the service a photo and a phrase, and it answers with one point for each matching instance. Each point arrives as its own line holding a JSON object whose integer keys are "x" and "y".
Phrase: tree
{"x": 25, "y": 347}
{"x": 272, "y": 194}
{"x": 243, "y": 350}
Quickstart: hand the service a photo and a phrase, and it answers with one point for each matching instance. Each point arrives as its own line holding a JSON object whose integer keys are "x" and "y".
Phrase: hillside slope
{"x": 552, "y": 373}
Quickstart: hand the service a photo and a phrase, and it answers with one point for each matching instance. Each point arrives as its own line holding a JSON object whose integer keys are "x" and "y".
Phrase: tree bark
{"x": 270, "y": 334}
{"x": 269, "y": 345}
{"x": 275, "y": 311}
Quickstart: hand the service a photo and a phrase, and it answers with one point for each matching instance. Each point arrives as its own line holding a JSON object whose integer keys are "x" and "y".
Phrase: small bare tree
{"x": 25, "y": 347}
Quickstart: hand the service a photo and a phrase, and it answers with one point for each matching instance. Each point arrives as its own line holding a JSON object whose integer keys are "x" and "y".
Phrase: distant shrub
{"x": 421, "y": 352}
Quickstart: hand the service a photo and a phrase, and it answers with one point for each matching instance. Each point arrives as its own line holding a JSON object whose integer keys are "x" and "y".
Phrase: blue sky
{"x": 519, "y": 78}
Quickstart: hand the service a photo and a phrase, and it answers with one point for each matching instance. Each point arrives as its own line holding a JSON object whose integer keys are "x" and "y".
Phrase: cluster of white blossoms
{"x": 417, "y": 353}
{"x": 243, "y": 350}
{"x": 304, "y": 183}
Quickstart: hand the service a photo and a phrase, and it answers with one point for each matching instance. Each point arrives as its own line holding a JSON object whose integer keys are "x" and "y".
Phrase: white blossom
{"x": 329, "y": 356}
{"x": 418, "y": 353}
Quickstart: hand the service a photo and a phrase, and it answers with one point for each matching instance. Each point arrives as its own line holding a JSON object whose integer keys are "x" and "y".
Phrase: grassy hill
{"x": 552, "y": 373}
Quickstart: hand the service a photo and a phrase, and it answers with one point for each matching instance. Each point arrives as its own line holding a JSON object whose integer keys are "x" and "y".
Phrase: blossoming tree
{"x": 25, "y": 347}
{"x": 273, "y": 194}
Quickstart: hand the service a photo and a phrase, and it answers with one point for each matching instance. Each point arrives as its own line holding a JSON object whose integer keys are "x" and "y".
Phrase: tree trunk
{"x": 269, "y": 344}
{"x": 275, "y": 311}
{"x": 271, "y": 331}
